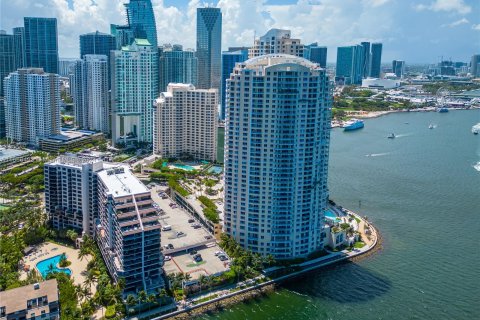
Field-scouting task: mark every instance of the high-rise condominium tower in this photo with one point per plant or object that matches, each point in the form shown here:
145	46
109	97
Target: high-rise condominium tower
475	66
90	93
316	54
398	67
177	66
366	57
276	41
277	135
185	123
128	232
96	43
376	62
32	105
41	44
141	20
349	65
134	88
209	47
229	59
71	195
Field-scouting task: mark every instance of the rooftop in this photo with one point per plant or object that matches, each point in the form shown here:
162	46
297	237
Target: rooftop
16	299
68	135
11	153
276	59
74	160
121	182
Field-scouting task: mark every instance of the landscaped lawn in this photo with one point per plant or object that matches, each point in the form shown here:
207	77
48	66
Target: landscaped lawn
359	244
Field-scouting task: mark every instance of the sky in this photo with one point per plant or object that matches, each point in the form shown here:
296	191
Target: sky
417	31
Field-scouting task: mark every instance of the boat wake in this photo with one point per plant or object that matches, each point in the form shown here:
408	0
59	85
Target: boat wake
477	166
403	135
377	154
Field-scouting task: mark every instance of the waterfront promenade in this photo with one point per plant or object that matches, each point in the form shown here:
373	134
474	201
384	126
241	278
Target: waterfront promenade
235	293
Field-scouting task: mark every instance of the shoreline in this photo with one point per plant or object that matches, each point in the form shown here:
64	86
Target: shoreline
375	114
260	290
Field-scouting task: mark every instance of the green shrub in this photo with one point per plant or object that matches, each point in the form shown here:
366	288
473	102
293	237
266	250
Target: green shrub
110	312
172	183
211	215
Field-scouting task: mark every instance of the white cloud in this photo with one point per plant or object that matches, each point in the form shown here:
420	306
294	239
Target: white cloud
457	6
456	23
375	3
476	27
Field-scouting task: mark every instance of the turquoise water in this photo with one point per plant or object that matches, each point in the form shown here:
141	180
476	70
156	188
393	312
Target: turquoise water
215	169
43	266
183	166
329	214
422	191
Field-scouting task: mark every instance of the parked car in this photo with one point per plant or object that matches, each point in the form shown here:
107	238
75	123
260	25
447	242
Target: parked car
168	258
180	234
217	253
197	259
191	220
170	246
167	228
222	258
208	237
193	251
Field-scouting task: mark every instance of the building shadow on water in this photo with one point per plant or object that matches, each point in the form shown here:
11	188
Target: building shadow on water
346	282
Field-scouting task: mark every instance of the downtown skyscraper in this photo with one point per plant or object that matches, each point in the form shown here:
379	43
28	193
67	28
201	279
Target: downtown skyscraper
32	105
90	93
376	60
41	44
134	88
349	65
176	66
209	47
277	135
140	24
276	41
229	59
96	43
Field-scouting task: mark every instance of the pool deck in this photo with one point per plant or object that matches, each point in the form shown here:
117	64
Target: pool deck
47	250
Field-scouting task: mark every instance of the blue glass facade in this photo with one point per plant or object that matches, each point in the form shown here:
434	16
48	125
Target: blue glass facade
229	59
316	54
7	57
349	65
209	47
177	66
96	43
41	44
365	59
142	20
376	62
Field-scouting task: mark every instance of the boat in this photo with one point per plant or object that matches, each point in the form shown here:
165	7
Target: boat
431	126
391	136
353	124
442	110
476	128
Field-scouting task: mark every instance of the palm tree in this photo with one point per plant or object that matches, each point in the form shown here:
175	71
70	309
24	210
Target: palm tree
269	260
202	280
151	299
131	301
89	279
142	297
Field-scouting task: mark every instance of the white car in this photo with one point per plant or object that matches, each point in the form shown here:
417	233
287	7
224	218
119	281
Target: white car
168	258
217	253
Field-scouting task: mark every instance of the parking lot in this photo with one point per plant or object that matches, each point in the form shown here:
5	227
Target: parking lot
210	264
177	232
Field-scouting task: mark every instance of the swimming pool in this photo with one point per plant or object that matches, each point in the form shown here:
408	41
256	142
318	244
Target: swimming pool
215	169
330	215
183	166
43	266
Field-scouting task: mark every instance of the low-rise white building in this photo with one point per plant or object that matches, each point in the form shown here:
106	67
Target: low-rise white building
380	83
185	123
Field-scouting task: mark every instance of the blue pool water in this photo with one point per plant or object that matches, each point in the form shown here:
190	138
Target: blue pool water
215	169
43	265
184	167
330	215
